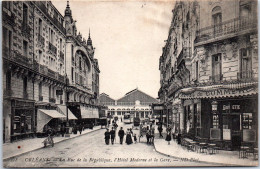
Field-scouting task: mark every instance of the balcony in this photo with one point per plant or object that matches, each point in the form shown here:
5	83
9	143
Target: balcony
40	5
227	29
185	53
9	18
216	78
41	40
40	98
52	49
62	56
16	57
26	30
245	75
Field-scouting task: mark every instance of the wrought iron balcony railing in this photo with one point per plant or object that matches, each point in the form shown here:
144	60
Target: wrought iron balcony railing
230	27
52	49
245	75
16	57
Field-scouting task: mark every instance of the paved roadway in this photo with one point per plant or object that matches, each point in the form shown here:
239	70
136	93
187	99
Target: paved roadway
90	150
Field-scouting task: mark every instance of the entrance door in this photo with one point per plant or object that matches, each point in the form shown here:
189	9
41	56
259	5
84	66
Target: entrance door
235	132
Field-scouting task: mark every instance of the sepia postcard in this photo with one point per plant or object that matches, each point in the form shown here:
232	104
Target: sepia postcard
129	83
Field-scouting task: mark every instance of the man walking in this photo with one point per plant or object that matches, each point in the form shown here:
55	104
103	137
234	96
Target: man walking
121	134
112	134
107	136
160	129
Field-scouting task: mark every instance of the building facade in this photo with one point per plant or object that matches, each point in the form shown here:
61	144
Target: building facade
213	87
134	102
35	69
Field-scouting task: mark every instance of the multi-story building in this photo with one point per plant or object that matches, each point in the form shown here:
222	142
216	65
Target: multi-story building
218	78
82	71
135	102
39	55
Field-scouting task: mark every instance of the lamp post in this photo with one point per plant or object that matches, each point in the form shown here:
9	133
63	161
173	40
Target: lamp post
66	104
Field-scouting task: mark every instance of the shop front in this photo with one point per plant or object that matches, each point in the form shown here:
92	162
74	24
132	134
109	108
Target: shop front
224	114
22	119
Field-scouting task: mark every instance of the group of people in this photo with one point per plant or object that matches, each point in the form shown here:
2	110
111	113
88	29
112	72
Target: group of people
150	134
110	135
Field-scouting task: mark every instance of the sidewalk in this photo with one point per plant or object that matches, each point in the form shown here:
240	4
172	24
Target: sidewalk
222	157
24	146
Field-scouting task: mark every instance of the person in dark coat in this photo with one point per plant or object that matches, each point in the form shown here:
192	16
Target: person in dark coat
168	137
121	134
107	136
62	130
160	129
112	135
80	128
128	137
148	135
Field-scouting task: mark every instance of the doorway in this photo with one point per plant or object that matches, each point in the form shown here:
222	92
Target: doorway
236	137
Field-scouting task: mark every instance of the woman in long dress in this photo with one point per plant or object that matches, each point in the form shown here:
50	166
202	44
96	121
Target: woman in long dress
128	137
168	137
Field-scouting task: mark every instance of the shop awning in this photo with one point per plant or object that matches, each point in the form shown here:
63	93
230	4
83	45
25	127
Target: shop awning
89	112
219	91
62	109
44	116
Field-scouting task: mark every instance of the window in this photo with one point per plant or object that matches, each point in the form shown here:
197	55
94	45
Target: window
215	121
7	38
60	44
49	91
60	68
40	55
72	53
197	70
80	64
72	74
245	9
40	27
8	80
216	67
245	63
217	19
247	120
25	14
25	87
40	91
25	48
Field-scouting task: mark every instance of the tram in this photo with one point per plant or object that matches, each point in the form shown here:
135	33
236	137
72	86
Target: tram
127	118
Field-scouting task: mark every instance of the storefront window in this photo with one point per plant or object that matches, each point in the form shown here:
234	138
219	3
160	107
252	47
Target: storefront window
22	121
247	120
215	121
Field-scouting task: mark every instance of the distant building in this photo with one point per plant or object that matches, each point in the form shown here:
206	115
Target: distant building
134	102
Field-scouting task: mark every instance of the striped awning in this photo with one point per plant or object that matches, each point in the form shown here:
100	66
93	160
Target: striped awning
219	91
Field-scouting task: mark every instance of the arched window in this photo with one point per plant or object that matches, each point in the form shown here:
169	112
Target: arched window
216	15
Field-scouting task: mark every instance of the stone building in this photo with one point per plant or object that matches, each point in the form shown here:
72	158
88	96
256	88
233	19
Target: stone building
38	58
82	71
216	90
135	102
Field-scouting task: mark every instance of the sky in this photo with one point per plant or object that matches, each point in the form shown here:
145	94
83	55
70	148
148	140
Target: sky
128	37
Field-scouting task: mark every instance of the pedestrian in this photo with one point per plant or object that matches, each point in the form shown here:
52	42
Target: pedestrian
160	129
80	129
135	139
131	132
121	119
152	135
121	134
62	130
128	137
168	137
112	135
169	129
107	136
151	125
148	135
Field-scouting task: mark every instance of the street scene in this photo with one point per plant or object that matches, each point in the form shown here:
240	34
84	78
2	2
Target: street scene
130	83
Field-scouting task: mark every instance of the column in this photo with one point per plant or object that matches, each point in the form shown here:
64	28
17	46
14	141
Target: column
182	123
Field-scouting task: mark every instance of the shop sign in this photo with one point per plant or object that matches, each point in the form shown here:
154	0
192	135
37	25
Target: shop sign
158	108
226	134
233	107
218	93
